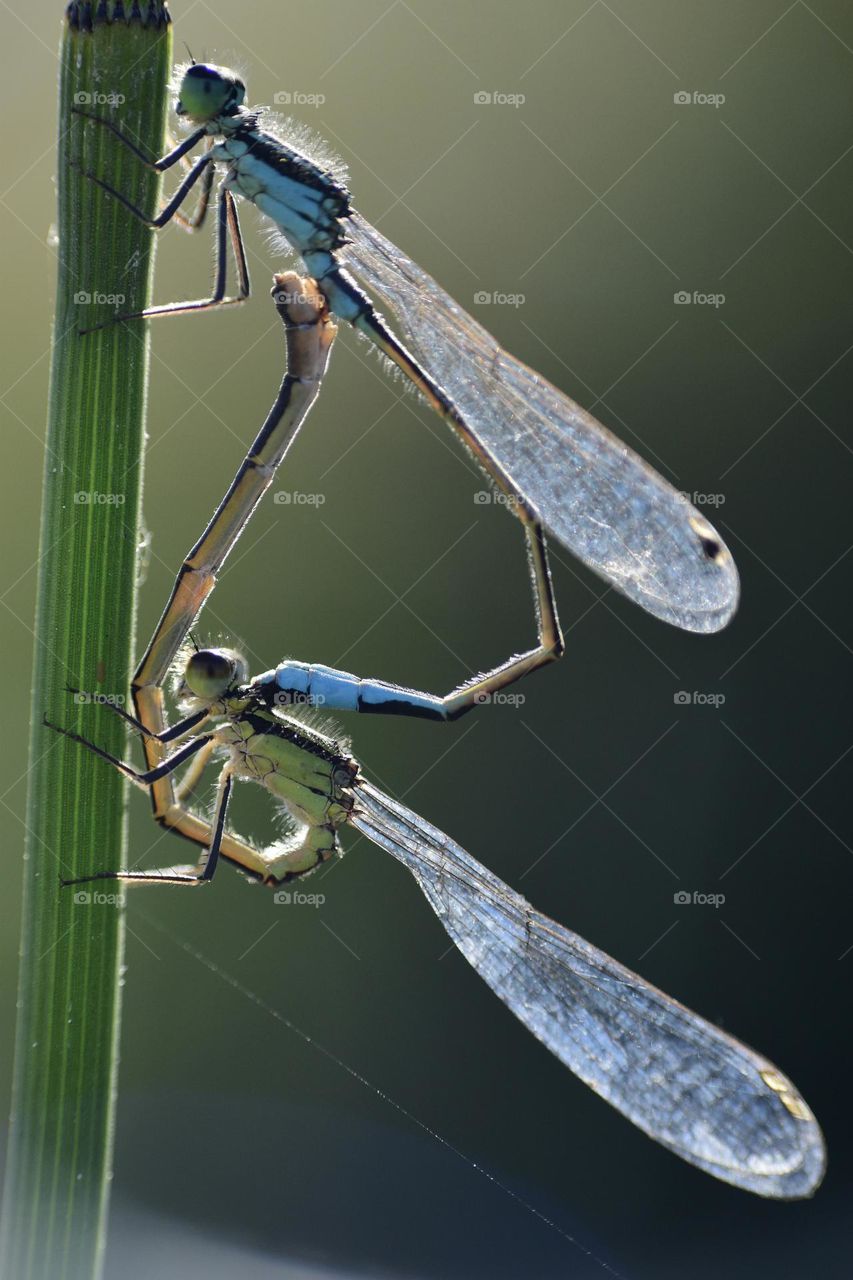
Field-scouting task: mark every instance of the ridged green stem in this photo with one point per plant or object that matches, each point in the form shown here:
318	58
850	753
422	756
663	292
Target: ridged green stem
115	60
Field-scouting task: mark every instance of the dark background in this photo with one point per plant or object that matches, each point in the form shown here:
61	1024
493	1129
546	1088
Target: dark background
312	1092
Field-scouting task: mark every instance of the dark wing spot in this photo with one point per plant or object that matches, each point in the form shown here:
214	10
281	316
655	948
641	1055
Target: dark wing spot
708	541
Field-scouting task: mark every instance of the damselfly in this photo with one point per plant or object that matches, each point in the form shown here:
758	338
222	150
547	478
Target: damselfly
687	1084
553	460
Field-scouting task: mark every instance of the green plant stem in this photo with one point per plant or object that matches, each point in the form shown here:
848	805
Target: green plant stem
115	60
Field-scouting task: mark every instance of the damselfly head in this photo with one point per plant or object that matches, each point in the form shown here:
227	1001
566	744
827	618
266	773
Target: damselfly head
206	91
211	673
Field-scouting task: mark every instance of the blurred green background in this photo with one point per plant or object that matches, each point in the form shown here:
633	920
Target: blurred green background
308	1091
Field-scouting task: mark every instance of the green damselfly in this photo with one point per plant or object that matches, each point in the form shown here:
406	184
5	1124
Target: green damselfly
555	463
687	1084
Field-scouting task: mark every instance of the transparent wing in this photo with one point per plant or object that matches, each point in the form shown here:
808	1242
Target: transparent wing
682	1081
595	494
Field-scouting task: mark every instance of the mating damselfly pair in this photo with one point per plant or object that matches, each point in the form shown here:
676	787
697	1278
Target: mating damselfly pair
699	1092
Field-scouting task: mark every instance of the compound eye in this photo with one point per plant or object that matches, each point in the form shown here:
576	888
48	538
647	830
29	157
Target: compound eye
204	92
210	672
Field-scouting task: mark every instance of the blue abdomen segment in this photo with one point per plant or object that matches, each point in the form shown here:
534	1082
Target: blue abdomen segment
298	684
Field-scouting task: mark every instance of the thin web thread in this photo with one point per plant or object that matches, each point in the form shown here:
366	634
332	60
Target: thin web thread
257	1000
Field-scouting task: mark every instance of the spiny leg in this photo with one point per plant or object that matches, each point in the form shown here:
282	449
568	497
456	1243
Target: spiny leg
204	869
160	164
143	778
177	153
211	836
274	865
201	873
312	845
228	220
227	227
172	205
192	776
163	736
200	760
196	220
